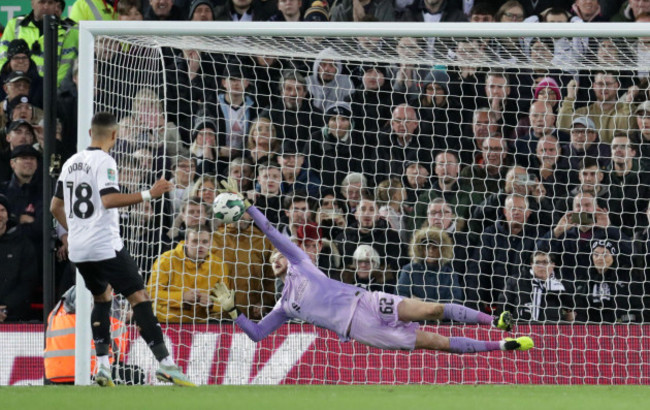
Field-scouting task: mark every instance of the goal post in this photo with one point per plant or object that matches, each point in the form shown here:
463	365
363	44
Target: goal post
132	70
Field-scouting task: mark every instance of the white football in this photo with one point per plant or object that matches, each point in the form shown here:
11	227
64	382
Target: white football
228	207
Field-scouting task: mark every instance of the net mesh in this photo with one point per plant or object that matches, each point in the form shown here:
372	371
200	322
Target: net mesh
528	153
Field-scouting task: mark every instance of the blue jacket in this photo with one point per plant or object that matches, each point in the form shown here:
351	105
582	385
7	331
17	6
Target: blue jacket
429	282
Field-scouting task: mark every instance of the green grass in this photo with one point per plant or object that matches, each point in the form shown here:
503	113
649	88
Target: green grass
481	397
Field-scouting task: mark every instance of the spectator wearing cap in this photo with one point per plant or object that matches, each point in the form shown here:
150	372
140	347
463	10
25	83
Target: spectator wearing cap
327	83
19	59
164	10
404	140
372	101
25	193
608	114
21	108
234	109
17	83
585	142
100	10
355	10
335	148
297	175
29	28
629	185
436	106
610	293
317	11
19	272
204	147
19	132
366	271
292	113
245	10
430	275
201	10
186	93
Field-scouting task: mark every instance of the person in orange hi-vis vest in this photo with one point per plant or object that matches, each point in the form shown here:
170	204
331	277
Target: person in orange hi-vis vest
58	357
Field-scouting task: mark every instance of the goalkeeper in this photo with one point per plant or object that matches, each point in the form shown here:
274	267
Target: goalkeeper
375	319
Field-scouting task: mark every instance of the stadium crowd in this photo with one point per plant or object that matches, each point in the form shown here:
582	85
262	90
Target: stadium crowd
520	189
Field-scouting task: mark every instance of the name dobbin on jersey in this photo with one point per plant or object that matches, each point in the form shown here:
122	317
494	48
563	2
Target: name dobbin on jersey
79	166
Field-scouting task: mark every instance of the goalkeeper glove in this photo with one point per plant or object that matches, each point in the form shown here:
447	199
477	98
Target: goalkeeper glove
225	297
231	186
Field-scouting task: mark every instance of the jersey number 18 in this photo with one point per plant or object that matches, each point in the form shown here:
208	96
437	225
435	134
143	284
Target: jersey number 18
81	206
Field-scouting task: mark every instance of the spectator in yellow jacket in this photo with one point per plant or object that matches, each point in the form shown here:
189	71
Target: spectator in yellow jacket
181	280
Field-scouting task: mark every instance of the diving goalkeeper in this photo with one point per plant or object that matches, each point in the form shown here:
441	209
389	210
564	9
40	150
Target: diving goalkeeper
375	319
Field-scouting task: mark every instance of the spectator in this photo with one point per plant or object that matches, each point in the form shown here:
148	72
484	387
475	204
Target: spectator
296	173
366	271
319	11
482	12
247	253
234	110
403	141
538	295
588	11
433	11
29	28
416	181
509	50
184	174
629	185
181	280
502	105
263	143
66	112
407	75
504	246
484	124
391	197
591	180
643	123
288	10
369	229
85	10
445	185
572	235
19	58
542	123
193	213
244	10
129	10
323	255
21	108
25	194
355	10
293	113
609	293
430	275
297	213
267	193
607	113
164	10
143	231
242	172
19	272
550	168
371	102
206	188
204	148
17	83
201	10
353	187
630	10
330	217
334	149
585	143
327	84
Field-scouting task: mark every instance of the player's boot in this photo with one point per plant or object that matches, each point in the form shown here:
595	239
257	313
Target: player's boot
521	343
103	377
504	321
173	374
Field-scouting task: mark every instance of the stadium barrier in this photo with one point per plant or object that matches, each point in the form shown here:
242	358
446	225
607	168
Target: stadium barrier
303	354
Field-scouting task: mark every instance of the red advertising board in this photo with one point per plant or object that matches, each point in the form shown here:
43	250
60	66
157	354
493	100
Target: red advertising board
304	354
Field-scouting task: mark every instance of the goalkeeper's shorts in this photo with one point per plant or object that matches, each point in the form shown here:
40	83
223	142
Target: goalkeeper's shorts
375	323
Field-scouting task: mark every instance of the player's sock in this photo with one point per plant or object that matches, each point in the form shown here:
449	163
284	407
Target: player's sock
167	361
463	314
467	345
150	329
103	361
100	321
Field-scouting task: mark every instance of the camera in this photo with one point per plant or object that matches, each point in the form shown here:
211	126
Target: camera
582	218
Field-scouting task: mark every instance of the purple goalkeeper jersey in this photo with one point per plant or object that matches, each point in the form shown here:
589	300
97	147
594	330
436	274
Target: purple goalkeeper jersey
308	294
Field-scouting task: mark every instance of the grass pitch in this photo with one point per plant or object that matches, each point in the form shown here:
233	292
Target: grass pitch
483	397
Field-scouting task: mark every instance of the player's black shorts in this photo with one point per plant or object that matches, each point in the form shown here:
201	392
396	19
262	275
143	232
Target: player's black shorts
121	272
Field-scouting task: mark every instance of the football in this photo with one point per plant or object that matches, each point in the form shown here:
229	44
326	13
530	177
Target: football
228	207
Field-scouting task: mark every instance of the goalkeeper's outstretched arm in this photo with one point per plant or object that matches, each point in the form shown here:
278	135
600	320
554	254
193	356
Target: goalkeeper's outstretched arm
268	325
289	249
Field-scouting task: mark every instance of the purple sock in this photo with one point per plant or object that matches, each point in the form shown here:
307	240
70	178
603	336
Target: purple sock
467	345
460	313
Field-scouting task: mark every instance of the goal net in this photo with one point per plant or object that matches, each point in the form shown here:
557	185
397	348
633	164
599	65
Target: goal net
491	166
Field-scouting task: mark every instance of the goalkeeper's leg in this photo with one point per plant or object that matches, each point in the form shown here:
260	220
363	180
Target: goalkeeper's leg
460	345
411	310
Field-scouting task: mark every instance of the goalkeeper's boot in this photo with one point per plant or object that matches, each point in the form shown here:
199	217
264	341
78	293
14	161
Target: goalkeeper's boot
521	343
504	321
103	377
173	374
